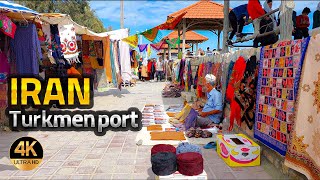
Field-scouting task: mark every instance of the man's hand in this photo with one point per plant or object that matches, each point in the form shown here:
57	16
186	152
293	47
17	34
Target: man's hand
203	114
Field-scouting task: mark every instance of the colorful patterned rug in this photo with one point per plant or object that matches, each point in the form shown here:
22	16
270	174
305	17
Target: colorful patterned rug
303	153
279	76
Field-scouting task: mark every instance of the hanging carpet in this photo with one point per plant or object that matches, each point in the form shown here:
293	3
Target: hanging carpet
279	75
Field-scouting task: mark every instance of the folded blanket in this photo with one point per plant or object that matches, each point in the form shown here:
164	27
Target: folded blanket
168	135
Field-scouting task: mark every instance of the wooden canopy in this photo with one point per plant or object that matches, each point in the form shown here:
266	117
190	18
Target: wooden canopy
191	37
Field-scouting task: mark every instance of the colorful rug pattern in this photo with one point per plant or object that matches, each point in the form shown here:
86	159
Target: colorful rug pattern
303	153
279	76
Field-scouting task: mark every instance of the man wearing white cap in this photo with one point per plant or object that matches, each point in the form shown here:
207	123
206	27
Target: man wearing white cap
211	113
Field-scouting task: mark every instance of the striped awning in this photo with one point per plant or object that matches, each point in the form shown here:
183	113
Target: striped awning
6	6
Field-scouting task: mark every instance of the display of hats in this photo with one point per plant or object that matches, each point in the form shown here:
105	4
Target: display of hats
185	147
163	148
190	163
164	163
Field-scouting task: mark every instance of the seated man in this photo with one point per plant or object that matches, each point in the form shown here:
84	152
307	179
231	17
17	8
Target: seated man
211	113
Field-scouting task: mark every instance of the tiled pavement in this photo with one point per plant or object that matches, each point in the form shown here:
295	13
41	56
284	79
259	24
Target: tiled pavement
82	155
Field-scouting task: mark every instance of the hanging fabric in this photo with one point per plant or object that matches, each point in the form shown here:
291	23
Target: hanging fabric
69	43
113	67
149	50
131	40
158	46
170	24
8	27
142	47
4	68
55	43
152	35
173	42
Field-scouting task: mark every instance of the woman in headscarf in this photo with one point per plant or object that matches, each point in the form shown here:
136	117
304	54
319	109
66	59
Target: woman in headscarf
267	6
316	17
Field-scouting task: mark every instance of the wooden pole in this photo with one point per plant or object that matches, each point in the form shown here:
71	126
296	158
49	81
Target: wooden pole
169	52
179	35
184	29
286	24
219	33
197	49
225	25
121	14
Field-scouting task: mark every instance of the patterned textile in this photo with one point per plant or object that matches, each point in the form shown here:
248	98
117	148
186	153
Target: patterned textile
279	75
234	84
149	50
3	96
152	35
8	27
245	96
92	50
131	40
4	68
157	47
85	48
190	80
170	24
87	69
303	154
98	46
55	45
142	47
229	72
200	81
173	42
68	42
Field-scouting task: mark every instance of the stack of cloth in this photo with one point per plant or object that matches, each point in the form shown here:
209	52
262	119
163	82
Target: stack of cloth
180	117
172	90
153	114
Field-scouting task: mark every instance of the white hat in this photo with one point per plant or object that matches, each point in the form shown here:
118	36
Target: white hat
210	78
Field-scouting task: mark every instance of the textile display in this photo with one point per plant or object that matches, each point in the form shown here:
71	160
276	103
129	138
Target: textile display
190	163
8	27
164	163
85	48
27	50
185	147
173	42
279	76
87	69
200	81
55	45
149	50
234	84
131	40
3	96
142	47
113	67
155	127
153	35
170	24
102	80
245	96
158	46
69	43
98	46
40	32
168	135
4	68
47	42
303	154
163	148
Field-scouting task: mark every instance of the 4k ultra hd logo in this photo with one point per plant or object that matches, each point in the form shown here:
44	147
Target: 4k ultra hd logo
26	153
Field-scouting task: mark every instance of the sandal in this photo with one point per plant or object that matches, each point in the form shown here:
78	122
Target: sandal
210	145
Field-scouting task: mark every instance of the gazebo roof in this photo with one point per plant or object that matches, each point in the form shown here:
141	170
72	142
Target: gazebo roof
165	46
202	15
191	37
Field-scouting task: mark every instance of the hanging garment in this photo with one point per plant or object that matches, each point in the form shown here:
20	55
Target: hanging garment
69	42
245	96
200	81
278	82
8	27
303	143
47	35
87	69
85	48
27	50
234	84
190	80
4	68
41	35
55	43
113	68
181	72
3	96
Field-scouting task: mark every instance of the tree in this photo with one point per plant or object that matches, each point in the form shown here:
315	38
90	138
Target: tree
79	10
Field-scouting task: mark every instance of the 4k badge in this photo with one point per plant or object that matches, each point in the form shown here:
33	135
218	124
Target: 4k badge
26	153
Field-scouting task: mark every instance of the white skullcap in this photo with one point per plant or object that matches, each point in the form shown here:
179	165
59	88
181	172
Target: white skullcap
210	78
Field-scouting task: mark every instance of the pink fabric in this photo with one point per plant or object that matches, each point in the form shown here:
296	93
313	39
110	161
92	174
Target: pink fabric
4	68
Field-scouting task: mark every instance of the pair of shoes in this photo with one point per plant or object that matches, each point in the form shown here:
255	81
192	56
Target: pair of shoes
210	145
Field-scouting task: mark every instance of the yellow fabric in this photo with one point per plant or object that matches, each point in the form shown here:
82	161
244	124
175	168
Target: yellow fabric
167	135
131	40
181	116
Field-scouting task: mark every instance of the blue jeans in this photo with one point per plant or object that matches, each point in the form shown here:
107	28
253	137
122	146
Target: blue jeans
159	75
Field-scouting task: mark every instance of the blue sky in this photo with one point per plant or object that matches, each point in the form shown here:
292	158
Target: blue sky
143	15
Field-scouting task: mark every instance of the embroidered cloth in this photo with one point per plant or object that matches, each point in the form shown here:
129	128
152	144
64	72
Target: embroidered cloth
303	154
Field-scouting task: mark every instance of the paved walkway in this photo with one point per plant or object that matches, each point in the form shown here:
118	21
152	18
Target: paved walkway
82	155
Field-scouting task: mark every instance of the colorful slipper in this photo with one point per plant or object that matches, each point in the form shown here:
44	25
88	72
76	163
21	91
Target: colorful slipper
210	145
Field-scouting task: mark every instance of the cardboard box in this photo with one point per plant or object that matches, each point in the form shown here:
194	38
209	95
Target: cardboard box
177	175
237	150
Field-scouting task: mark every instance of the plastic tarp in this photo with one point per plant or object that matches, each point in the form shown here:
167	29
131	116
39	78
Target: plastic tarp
16	11
64	19
125	63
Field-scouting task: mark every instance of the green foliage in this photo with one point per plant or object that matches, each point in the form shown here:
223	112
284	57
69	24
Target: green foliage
79	10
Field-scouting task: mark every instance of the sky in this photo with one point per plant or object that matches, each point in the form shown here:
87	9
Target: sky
142	15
